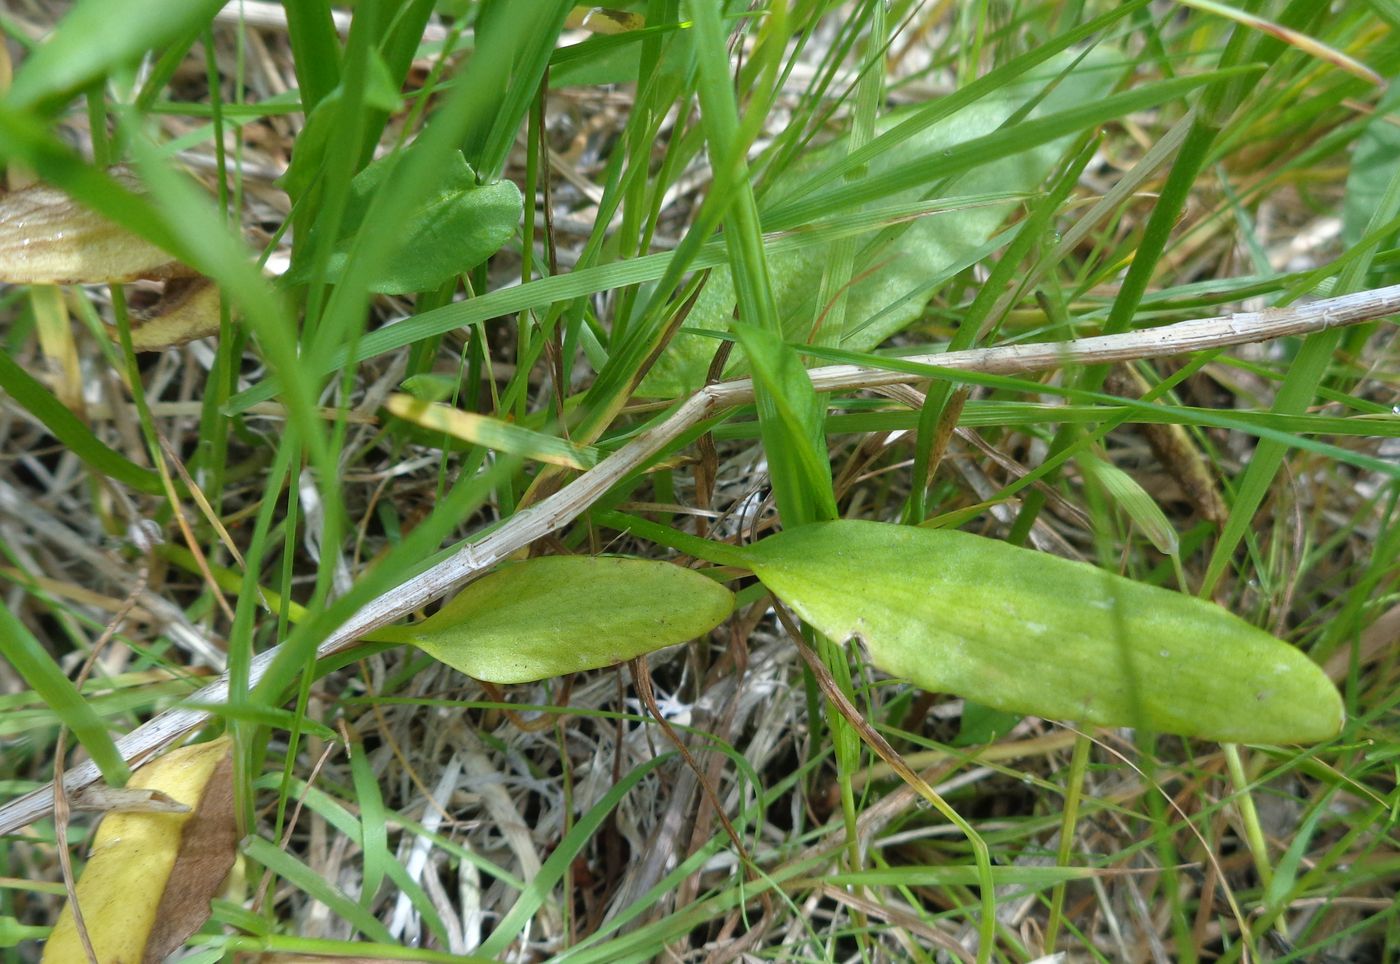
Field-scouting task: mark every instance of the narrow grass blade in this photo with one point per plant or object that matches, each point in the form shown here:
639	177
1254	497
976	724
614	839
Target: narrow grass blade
38	669
68	429
315	886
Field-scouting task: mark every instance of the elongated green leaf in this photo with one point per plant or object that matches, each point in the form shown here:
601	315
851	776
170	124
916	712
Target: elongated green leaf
25	654
316	886
552	870
1032	878
1133	499
563	614
315	50
794	436
30	393
1031	633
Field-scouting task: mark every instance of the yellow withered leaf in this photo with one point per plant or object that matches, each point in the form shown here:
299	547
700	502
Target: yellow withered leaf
603	20
48	238
150	876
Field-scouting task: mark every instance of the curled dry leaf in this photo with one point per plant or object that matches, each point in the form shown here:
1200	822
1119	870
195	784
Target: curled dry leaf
189	309
150	877
47	238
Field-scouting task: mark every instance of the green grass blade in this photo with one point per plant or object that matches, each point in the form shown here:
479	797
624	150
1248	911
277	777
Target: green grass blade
374	838
31	395
315	886
98	36
38	669
315	50
553	869
1003	143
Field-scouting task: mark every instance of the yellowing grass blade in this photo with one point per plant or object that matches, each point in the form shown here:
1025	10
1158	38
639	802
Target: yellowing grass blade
492	433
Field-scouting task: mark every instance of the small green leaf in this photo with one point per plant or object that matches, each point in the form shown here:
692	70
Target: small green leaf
460	225
982	724
1133	499
309	157
431	386
1026	632
564	614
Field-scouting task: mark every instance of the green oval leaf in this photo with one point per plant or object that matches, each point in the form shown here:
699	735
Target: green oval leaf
458	226
1032	633
563	614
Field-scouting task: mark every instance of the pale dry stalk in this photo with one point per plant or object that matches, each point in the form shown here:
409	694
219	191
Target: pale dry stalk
568	503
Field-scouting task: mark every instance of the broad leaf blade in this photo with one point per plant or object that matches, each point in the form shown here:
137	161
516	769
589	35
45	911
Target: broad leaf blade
460	225
564	614
892	273
1373	164
1031	633
151	876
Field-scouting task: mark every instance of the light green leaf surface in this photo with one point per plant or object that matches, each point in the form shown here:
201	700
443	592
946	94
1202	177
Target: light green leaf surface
564	614
1137	502
308	162
459	225
1032	633
1373	164
892	275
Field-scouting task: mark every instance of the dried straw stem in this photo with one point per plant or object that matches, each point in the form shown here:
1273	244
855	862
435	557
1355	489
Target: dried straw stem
561	508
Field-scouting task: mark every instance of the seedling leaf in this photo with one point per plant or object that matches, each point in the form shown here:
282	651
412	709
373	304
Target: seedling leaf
1032	633
460	225
564	614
